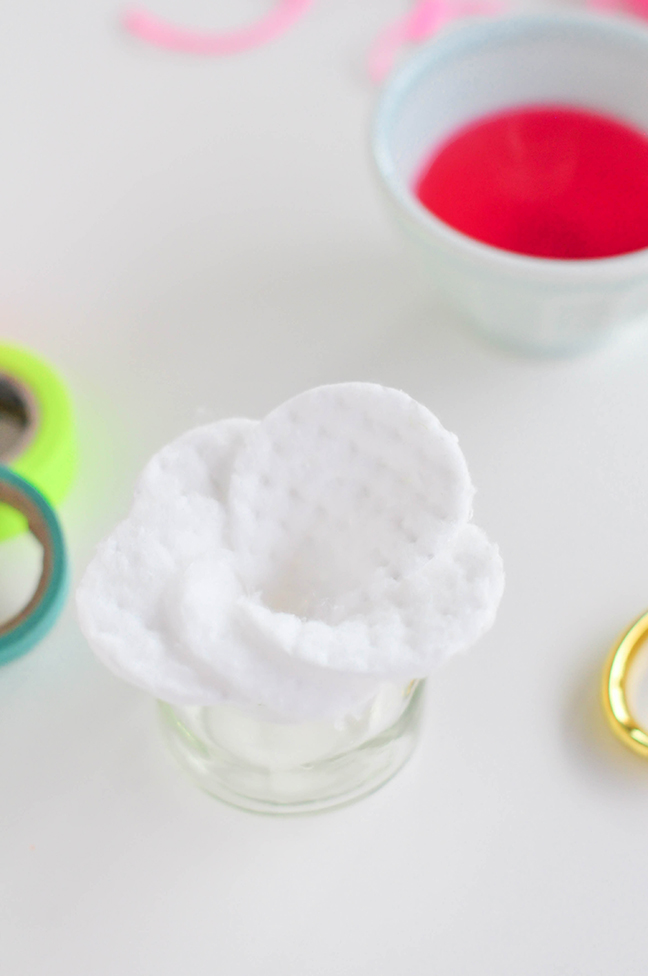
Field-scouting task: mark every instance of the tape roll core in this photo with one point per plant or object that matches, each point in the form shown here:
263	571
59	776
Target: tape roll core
29	625
18	418
37	431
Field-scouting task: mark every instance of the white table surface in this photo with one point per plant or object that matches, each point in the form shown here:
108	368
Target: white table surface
190	239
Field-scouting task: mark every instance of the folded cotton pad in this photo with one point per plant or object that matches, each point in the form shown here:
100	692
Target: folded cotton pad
295	563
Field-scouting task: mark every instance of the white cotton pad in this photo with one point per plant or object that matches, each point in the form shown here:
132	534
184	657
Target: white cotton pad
341	490
415	626
293	565
131	584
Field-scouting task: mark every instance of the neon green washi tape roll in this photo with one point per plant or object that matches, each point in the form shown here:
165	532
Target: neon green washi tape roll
37	431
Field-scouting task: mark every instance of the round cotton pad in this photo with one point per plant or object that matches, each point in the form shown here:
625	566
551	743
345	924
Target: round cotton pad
340	490
294	564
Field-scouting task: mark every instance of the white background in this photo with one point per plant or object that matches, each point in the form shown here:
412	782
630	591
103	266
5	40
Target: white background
194	238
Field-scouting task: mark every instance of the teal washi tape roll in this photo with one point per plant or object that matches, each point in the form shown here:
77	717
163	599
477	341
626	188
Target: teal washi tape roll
30	625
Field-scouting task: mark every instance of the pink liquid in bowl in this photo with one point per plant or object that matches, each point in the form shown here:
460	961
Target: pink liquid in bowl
549	181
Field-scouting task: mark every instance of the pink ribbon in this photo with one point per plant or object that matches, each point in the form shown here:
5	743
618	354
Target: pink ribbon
159	32
427	17
420	23
424	20
637	7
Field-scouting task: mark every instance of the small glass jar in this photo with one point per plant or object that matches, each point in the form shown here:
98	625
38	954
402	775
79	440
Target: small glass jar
272	767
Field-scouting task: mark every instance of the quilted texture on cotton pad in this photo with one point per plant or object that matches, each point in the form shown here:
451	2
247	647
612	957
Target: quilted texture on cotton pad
163	607
417	624
220	587
340	491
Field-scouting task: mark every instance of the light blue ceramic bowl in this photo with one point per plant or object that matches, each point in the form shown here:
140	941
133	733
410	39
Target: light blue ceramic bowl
474	69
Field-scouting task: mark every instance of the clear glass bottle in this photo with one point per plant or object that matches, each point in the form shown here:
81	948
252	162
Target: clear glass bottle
271	767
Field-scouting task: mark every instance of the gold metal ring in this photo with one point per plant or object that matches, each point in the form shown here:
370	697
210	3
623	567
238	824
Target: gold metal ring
614	679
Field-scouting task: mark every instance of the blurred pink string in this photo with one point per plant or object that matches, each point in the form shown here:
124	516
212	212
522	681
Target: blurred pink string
427	17
637	7
159	32
420	23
